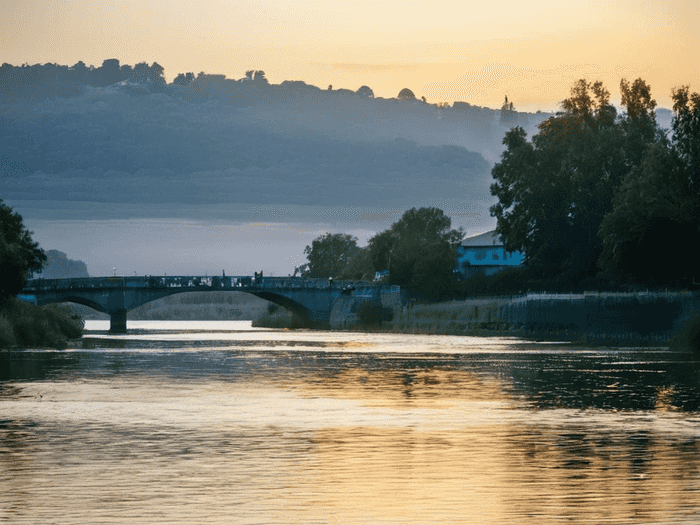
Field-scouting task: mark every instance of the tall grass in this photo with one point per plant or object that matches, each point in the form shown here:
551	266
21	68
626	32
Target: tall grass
688	337
27	325
471	316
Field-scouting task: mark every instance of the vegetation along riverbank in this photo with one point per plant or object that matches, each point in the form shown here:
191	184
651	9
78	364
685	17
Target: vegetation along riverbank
23	324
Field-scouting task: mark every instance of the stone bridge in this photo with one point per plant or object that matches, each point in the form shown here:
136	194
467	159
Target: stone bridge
311	300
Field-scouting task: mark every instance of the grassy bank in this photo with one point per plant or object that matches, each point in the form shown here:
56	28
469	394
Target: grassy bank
688	338
488	317
465	317
26	325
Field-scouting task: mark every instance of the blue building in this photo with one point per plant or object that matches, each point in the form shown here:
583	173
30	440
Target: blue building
485	254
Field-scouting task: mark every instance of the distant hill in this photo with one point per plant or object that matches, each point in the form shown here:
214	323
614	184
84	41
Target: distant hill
120	134
59	266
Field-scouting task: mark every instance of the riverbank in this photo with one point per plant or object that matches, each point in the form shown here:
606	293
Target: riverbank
26	325
640	319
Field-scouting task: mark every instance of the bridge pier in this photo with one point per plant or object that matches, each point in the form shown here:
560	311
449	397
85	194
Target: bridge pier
117	321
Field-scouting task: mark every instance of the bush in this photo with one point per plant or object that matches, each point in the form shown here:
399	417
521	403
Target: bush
7	334
688	338
43	326
371	313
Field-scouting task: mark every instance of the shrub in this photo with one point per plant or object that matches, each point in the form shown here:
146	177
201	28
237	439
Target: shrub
28	325
371	313
7	334
688	337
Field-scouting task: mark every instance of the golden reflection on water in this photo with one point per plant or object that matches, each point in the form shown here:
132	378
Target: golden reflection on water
406	390
284	441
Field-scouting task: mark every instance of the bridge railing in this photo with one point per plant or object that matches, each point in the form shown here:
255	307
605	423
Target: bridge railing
194	282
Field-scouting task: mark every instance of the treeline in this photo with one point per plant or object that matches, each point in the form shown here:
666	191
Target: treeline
604	198
127	136
43	81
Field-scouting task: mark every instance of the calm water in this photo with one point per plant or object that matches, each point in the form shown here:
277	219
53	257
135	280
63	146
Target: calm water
220	423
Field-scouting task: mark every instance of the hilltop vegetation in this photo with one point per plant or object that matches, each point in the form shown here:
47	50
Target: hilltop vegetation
122	134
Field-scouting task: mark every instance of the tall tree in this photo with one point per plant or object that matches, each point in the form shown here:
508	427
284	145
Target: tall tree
554	191
330	255
19	254
419	250
657	207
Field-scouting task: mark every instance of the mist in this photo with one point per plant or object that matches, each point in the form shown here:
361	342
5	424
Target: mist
96	159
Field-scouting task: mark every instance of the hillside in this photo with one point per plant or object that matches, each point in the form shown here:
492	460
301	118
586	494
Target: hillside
97	139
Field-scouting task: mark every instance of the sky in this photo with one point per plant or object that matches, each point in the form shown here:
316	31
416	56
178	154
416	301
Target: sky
444	50
531	52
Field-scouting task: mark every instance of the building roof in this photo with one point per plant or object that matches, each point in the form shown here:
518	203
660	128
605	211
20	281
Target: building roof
490	238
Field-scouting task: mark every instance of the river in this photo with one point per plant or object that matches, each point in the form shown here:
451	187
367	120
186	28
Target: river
218	422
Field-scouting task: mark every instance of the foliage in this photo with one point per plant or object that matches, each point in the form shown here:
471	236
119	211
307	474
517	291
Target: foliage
596	189
37	326
419	250
59	266
555	190
19	254
508	113
330	255
373	313
406	94
657	206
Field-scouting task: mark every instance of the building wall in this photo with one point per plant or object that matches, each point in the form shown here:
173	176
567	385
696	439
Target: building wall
488	256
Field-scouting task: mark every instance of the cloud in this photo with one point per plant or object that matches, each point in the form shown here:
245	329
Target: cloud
376	217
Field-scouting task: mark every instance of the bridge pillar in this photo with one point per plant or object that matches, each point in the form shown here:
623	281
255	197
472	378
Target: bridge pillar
117	321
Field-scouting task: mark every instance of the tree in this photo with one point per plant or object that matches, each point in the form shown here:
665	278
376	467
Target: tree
406	94
182	79
19	255
657	207
330	255
253	75
555	190
419	250
365	91
508	114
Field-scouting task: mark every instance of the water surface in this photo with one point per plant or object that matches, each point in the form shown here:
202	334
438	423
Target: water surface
200	422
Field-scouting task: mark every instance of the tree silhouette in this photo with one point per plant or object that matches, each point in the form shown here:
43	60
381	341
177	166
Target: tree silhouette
19	254
406	94
365	91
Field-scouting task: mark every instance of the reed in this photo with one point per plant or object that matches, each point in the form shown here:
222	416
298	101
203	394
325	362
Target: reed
278	319
466	317
27	325
688	337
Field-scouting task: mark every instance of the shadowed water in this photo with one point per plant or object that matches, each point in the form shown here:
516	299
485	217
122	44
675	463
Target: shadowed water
220	423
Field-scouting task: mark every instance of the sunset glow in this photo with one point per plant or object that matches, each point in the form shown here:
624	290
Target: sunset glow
443	50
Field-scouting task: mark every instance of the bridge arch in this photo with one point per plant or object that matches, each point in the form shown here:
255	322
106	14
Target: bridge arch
85	301
307	299
297	309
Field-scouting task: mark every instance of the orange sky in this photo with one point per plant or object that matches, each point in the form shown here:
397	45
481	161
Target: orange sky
443	50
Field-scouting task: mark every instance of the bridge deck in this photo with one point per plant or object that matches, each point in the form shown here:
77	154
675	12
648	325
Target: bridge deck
197	283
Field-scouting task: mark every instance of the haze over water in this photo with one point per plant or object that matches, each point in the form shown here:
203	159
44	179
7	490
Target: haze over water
216	422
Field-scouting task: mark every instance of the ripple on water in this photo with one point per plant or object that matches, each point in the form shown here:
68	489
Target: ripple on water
283	427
